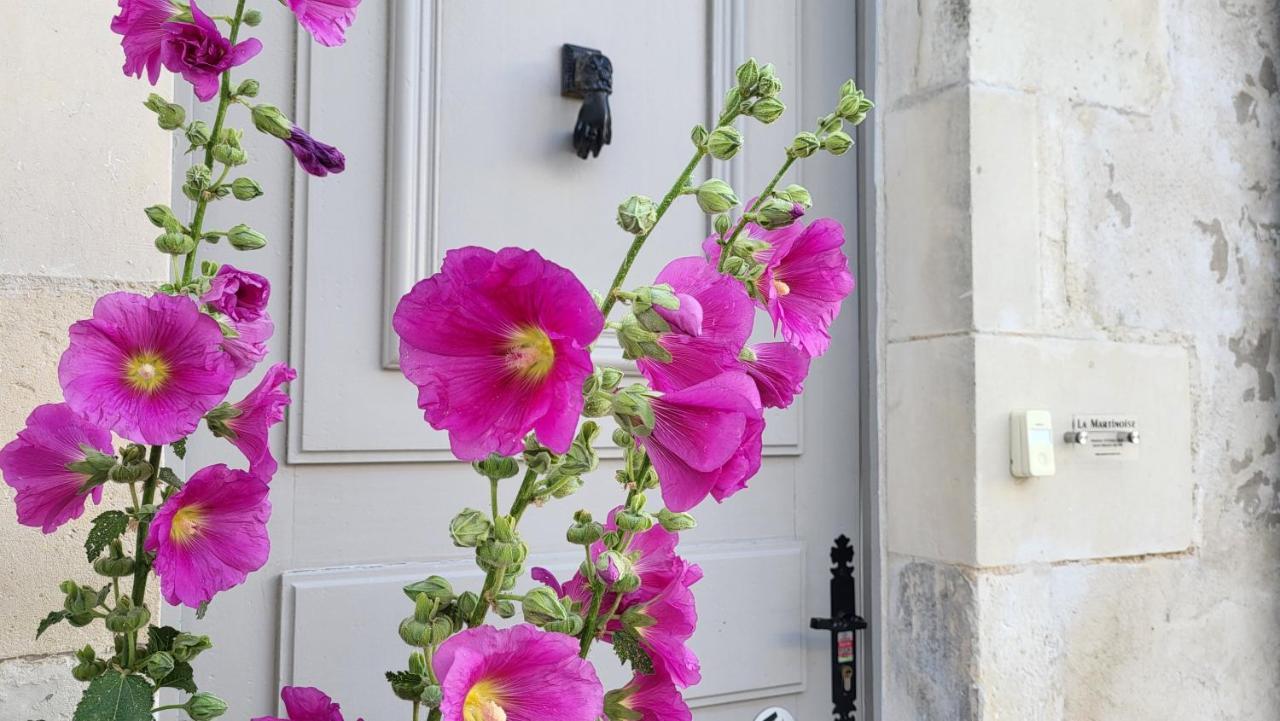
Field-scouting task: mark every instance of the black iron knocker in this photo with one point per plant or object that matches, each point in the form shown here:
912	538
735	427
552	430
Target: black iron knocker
587	74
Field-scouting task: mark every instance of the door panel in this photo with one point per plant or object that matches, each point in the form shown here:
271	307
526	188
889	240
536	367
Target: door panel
455	132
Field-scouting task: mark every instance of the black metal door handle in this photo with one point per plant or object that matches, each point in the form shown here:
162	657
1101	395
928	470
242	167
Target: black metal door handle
843	625
587	74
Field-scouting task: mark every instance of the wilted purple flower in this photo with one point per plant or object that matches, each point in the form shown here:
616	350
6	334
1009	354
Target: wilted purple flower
142	23
326	20
315	157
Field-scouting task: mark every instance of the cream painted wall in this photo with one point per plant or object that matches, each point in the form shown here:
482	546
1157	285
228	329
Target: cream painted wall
79	159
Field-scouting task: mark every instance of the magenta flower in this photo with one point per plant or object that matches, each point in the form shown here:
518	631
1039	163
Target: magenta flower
725	318
304	703
806	279
663	624
257	413
779	370
35	464
209	536
687	318
147	368
496	343
648	697
313	156
247	349
142	23
516	674
706	439
201	54
326	20
238	294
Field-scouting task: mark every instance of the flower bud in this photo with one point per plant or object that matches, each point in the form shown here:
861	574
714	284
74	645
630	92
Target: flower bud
699	136
248	88
638	341
246	189
155	103
432	696
770	85
748	75
441	630
199	133
724	142
171	116
637	214
716	196
435	588
797	194
497	467
598	404
252	18
199	178
676	522
268	119
243	237
637	522
622	439
505	609
174	243
541	606
114	566
415	632
228	154
126	617
776	213
767	110
187	646
722	223
161	216
159	665
732	102
86	671
632	410
804	145
584	530
572	625
204	706
418	663
469	528
837	143
849	106
610	378
467	603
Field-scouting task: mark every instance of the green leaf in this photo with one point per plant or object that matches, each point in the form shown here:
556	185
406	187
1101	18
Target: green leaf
169	477
181	678
179	448
51	619
107	527
116	697
160	638
627	646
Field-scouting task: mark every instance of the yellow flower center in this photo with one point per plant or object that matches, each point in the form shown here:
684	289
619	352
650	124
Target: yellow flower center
186	523
146	371
781	287
530	353
482	703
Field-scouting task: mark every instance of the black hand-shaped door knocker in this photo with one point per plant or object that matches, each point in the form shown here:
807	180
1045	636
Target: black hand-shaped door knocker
587	74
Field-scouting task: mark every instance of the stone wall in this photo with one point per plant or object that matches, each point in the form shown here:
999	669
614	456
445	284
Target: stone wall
1081	211
80	159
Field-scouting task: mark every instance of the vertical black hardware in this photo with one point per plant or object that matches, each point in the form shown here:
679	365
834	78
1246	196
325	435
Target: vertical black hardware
844	625
587	74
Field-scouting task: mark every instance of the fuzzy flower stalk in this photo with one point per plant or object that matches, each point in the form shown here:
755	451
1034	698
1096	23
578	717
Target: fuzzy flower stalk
140	374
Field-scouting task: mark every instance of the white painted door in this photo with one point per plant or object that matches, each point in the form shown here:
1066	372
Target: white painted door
455	133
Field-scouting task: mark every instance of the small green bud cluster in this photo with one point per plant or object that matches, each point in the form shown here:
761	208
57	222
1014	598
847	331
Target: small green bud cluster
637	214
543	608
597	392
127	618
88	665
170	116
757	92
645	299
633	410
80	602
852	107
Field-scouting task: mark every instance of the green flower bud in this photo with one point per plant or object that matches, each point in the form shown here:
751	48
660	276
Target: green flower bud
159	665
497	467
637	214
161	216
243	237
228	154
622	439
572	625
252	18
848	87
632	410
797	194
775	213
849	107
199	179
724	142
676	522
246	189
441	630
748	75
565	486
722	223
248	88
467	603
699	136
610	378
114	566
432	696
126	617
268	119
172	243
716	196
804	145
418	663
171	117
584	530
541	606
769	86
86	672
598	404
767	110
633	521
415	632
133	453
732	102
155	103
469	528
204	706
187	646
198	133
837	143
640	342
505	609
435	588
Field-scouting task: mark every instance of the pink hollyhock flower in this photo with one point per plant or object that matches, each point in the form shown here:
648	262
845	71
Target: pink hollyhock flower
255	415
35	465
648	697
147	368
687	318
516	674
238	294
663	625
305	703
201	54
726	318
209	536
779	370
326	20
316	158
249	347
497	344
142	23
706	439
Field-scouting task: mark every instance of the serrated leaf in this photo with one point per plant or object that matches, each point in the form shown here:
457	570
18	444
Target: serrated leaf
627	646
160	638
107	527
180	678
167	476
114	696
53	618
179	448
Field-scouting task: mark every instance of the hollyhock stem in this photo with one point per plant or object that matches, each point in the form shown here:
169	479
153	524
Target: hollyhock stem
742	222
224	102
522	496
140	566
593	616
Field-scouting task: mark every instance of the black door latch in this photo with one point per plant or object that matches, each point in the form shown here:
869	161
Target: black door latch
844	625
587	74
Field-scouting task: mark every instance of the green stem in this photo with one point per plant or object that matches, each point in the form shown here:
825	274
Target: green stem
593	616
224	102
158	709
493	498
523	495
141	568
727	250
416	706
